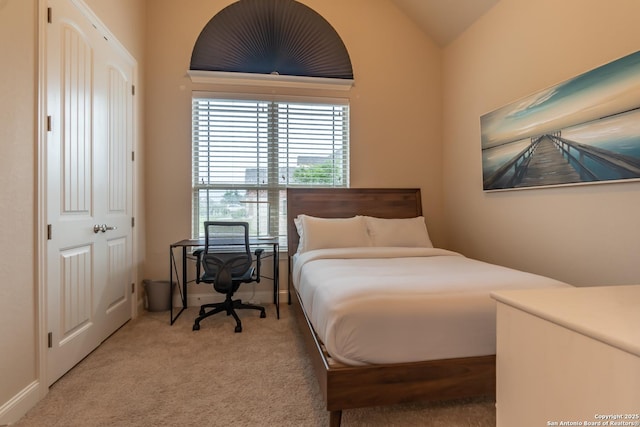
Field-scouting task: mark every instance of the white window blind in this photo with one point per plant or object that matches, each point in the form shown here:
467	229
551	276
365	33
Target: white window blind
247	152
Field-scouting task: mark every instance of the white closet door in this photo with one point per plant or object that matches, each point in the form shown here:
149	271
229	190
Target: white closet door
89	187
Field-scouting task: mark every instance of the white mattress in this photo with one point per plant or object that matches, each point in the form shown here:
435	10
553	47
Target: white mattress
380	305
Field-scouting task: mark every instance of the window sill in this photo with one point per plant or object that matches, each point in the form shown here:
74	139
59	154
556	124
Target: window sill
269	80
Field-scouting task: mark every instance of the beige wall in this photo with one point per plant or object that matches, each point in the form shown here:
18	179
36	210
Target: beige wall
18	357
126	19
395	109
19	333
585	235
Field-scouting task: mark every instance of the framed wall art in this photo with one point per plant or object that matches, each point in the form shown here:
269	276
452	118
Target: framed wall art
584	130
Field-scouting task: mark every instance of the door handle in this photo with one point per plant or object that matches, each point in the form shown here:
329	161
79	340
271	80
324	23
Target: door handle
103	228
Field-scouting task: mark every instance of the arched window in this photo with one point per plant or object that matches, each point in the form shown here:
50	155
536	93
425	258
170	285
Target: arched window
247	149
282	37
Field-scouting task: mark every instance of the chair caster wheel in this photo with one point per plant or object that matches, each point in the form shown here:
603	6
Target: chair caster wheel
196	327
263	314
238	328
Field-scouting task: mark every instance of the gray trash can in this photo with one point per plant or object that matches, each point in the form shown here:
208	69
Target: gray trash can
158	295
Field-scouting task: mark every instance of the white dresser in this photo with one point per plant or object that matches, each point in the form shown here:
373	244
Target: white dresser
568	356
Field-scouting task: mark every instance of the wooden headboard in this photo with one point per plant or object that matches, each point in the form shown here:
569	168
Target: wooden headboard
347	202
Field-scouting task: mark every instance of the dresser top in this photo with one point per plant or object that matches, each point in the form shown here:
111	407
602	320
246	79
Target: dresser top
610	314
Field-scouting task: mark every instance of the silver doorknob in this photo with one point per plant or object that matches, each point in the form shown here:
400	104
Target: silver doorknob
103	228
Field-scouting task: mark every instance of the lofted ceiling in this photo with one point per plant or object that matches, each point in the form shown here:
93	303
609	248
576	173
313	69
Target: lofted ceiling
444	20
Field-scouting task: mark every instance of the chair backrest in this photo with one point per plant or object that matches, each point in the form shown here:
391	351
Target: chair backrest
226	236
225	240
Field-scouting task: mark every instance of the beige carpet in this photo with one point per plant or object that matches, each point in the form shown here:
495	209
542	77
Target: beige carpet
152	374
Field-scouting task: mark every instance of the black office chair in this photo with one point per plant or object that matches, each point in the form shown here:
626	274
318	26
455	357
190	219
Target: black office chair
227	263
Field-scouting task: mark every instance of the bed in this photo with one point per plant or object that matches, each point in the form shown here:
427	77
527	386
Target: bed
387	318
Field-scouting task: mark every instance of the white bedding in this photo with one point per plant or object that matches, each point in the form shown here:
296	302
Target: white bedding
378	305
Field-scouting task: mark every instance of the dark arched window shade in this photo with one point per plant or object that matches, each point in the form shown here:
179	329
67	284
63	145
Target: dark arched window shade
281	37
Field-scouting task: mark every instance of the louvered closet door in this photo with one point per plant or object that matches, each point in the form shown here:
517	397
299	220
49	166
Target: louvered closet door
89	182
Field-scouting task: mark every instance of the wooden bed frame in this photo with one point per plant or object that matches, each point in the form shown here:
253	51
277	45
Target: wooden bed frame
347	387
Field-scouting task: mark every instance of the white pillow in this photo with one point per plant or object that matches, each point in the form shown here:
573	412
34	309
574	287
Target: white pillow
323	233
399	232
297	221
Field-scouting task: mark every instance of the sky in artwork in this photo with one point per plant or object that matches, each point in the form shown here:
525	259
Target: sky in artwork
604	91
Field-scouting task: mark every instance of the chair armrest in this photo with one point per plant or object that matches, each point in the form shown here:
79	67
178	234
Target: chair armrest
198	253
258	254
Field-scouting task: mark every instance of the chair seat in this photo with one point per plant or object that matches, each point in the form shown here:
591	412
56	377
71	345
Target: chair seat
244	278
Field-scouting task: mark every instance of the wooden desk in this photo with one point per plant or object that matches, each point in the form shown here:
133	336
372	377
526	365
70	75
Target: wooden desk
181	282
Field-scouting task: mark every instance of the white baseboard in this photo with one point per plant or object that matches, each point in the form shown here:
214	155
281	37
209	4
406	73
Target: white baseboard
18	405
139	307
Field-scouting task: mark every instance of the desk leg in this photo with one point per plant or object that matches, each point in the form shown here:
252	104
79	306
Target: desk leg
276	278
184	277
183	293
171	319
289	280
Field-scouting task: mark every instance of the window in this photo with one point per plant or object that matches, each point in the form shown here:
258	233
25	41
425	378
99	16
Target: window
246	152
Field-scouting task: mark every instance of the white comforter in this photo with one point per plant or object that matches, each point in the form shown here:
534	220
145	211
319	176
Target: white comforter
379	305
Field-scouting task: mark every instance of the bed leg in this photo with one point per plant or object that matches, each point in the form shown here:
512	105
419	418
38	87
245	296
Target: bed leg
335	417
